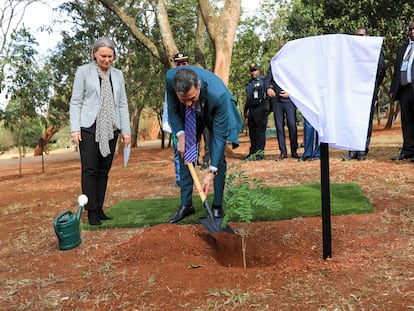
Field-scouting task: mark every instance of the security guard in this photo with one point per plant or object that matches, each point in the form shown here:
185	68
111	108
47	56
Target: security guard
255	114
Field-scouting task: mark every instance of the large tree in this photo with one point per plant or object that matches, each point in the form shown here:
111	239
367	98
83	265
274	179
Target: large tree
220	27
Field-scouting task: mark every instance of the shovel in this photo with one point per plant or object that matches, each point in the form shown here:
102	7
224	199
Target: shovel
213	224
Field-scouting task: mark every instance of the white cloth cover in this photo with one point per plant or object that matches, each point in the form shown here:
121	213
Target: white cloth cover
331	80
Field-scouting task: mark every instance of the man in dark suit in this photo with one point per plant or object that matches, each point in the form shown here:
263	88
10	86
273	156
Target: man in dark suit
402	89
362	154
216	108
282	107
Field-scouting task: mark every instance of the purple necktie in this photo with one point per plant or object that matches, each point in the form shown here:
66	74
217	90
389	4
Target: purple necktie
190	150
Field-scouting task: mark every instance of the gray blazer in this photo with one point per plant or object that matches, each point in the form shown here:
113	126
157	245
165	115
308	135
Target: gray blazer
85	100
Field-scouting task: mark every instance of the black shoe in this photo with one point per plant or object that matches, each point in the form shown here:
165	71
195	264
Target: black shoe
352	155
400	157
303	159
177	184
259	158
102	215
361	156
295	155
182	212
313	159
217	211
93	218
281	157
204	165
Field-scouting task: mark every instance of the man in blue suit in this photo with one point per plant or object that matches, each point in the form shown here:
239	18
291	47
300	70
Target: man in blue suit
216	108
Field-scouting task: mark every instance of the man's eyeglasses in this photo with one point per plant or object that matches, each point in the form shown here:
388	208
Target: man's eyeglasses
253	69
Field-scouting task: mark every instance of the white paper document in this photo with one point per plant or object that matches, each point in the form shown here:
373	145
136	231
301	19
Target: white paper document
127	152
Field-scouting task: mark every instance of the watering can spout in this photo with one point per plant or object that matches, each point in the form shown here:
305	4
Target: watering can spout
82	200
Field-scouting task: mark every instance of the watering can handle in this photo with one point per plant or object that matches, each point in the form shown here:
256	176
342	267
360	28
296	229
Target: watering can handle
58	218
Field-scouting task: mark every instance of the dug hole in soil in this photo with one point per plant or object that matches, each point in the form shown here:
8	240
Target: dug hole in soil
176	267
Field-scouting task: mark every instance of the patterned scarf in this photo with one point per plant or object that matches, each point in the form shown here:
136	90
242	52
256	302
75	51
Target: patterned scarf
105	122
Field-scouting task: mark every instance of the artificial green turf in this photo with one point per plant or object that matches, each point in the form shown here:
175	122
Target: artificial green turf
296	201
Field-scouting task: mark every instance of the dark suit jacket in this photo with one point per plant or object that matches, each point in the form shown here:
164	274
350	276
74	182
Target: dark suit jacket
395	83
269	83
219	111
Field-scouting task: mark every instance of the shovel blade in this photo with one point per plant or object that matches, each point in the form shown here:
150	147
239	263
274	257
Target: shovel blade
215	225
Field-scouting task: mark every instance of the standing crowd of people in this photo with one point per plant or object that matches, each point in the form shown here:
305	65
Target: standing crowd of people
197	103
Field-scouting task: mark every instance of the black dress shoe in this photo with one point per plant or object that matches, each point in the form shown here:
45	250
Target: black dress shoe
182	212
102	215
93	218
361	156
352	155
281	157
295	155
400	157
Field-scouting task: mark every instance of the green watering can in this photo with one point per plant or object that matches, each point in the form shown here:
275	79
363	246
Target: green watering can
67	226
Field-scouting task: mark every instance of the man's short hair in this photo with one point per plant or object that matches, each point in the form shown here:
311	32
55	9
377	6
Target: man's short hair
184	79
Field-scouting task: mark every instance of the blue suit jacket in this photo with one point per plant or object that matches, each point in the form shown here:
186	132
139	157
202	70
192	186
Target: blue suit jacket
219	111
85	100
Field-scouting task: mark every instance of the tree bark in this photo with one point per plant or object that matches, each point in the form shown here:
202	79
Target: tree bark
47	136
222	31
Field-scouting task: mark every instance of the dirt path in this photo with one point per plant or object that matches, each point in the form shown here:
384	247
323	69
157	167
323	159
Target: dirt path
172	267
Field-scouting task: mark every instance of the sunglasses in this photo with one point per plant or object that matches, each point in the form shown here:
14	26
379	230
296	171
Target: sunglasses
181	64
253	69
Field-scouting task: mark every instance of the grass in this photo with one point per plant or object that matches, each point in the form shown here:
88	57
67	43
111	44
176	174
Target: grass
296	201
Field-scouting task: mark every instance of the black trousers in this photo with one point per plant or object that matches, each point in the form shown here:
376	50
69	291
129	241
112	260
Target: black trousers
280	110
95	167
407	119
257	123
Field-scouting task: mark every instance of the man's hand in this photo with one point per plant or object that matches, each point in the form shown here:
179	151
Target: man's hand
207	182
284	94
271	92
181	144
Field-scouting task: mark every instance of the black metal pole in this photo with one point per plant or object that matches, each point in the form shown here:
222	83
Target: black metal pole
326	201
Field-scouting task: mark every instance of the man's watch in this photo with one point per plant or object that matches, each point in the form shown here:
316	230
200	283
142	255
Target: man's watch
212	172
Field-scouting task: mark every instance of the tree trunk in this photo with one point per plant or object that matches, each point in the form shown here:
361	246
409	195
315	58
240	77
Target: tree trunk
393	111
222	31
47	136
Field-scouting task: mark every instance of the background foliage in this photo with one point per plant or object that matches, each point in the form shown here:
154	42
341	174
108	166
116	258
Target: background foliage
259	37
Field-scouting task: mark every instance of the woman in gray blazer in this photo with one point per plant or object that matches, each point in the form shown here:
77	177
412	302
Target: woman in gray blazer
98	113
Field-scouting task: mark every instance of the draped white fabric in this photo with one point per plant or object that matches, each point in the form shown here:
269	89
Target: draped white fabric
331	80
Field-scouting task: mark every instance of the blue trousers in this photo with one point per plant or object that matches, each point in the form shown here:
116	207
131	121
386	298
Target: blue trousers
311	141
187	184
280	110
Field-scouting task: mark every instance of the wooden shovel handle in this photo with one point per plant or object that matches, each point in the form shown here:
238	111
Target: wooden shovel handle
196	181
